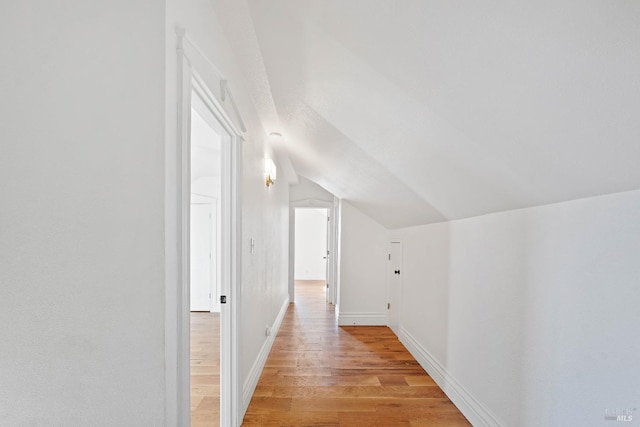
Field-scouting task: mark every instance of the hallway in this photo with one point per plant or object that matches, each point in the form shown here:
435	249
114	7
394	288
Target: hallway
319	374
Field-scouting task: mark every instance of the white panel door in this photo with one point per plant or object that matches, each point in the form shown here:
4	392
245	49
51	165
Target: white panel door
311	244
394	291
201	249
215	258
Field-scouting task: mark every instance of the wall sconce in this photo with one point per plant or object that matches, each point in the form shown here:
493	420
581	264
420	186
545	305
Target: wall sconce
269	172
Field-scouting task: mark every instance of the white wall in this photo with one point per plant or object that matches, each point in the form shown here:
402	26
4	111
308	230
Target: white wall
88	100
309	190
81	213
265	218
363	262
533	313
311	244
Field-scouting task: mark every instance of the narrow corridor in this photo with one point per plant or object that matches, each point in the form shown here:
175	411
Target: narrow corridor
319	374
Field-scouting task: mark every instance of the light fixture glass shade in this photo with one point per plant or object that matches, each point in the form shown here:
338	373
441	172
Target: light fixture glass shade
270	173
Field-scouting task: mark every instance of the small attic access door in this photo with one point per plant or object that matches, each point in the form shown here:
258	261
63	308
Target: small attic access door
394	285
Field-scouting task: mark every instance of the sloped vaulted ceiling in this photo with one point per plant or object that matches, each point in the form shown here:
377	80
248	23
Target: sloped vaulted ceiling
420	111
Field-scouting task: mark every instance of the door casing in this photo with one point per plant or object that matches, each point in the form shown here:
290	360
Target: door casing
332	246
194	76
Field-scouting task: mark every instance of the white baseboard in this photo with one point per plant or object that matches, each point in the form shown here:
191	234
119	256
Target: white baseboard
476	412
362	319
251	382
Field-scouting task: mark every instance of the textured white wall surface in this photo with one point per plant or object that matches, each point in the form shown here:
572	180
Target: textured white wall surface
88	98
308	190
533	311
363	256
82	213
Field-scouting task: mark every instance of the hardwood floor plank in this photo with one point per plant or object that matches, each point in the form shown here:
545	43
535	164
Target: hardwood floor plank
287	419
368	419
205	369
418	380
339	404
319	374
266	403
318	381
304	371
358	391
392	380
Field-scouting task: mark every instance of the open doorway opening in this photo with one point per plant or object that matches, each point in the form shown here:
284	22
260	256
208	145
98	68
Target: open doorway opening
205	259
199	86
311	244
312	250
314	236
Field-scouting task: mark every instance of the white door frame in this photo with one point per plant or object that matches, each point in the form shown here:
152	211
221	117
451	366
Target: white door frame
178	351
332	247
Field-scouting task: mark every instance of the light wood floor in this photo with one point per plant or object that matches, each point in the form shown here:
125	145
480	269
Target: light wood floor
205	369
319	374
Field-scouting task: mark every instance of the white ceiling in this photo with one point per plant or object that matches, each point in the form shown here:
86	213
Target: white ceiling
419	111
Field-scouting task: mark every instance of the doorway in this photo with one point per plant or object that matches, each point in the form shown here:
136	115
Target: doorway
204	255
314	246
311	250
311	243
199	89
